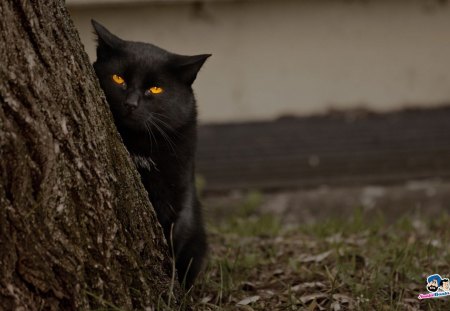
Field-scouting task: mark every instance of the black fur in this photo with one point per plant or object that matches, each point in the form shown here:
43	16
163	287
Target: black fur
160	132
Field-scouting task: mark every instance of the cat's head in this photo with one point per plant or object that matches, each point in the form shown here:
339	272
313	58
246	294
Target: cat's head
145	85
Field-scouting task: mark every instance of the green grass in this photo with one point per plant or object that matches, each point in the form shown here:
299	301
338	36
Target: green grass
353	264
336	264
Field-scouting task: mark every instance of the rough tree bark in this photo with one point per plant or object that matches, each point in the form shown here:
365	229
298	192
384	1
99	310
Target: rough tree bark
76	228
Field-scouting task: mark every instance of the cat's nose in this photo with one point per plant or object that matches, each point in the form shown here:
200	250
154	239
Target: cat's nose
132	101
131	104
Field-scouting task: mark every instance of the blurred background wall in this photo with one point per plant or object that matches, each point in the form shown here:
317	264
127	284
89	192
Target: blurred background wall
279	57
287	100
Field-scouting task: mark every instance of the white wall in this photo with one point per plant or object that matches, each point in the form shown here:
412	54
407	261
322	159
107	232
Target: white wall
276	57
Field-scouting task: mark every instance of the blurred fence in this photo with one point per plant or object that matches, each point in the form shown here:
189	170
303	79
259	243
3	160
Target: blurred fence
353	148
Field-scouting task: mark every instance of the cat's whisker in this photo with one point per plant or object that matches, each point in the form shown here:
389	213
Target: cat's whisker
165	136
161	115
149	124
151	135
164	124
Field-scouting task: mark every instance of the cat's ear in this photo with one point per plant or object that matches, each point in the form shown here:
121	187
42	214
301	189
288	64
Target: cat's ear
187	67
106	40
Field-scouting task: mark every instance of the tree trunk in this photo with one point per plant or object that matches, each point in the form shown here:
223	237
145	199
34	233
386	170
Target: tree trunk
76	228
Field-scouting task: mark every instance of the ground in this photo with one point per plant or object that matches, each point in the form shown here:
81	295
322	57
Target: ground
365	260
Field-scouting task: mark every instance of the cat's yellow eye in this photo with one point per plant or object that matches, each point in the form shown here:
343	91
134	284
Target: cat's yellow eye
118	79
156	90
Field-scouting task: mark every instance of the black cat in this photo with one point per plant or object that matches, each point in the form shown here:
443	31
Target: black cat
150	95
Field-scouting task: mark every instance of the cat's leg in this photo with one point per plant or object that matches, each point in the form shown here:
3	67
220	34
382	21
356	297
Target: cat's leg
190	248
